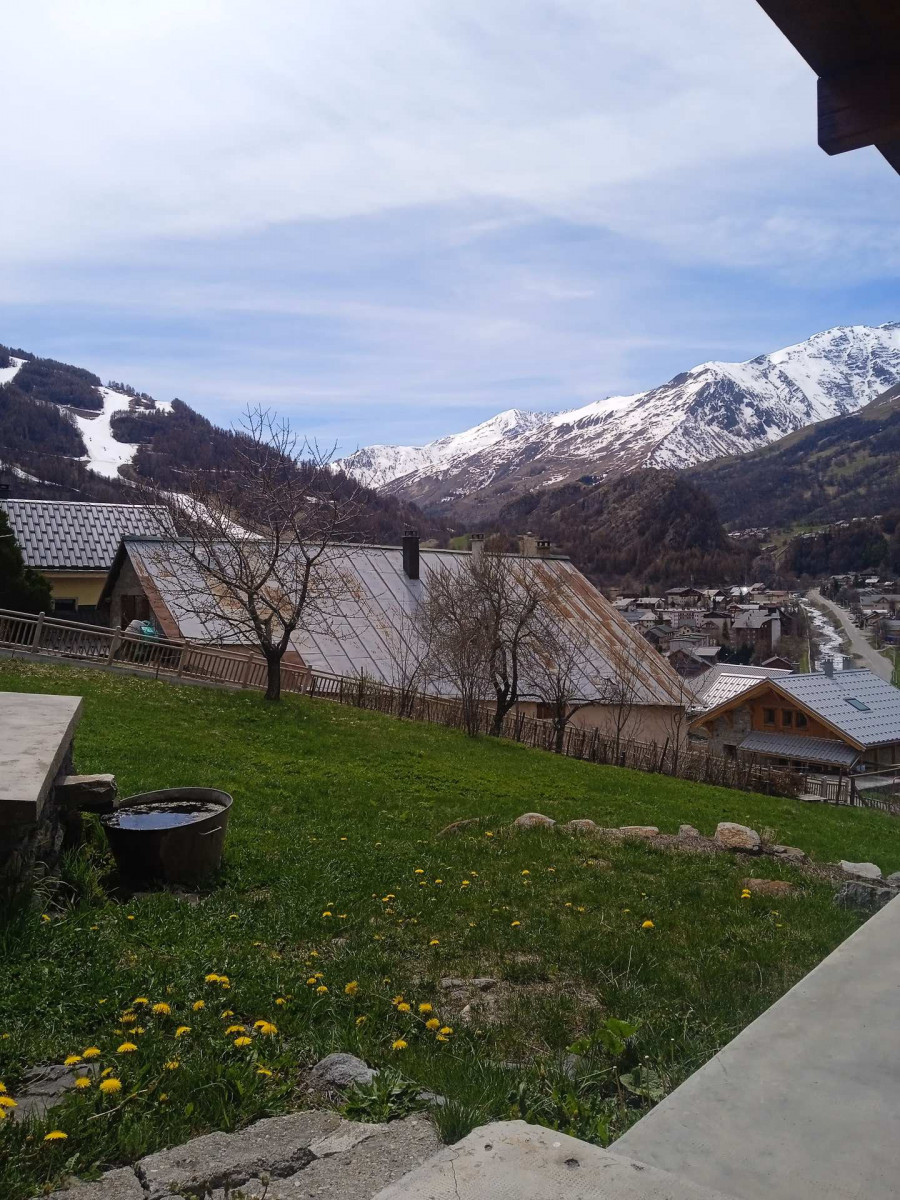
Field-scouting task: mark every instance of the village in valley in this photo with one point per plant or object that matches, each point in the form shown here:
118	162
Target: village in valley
455	754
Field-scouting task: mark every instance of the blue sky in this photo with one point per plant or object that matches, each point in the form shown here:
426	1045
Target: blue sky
390	220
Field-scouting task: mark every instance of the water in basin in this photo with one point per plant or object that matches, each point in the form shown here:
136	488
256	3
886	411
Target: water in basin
162	816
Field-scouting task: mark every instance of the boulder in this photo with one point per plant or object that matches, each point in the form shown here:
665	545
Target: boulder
341	1071
893	880
860	870
87	793
582	825
121	1184
533	821
770	887
868	897
731	836
644	831
460	826
44	1087
789	853
686	831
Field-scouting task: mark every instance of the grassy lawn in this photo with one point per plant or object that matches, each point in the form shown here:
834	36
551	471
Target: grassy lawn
338	905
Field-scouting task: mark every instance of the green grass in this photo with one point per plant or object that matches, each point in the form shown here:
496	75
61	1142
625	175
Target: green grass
336	811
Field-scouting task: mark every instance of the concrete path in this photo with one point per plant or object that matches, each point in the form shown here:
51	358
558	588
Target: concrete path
859	643
804	1104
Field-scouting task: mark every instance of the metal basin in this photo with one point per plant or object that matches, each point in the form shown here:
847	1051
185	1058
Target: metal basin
176	835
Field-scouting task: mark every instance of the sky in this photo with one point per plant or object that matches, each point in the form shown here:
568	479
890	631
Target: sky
390	220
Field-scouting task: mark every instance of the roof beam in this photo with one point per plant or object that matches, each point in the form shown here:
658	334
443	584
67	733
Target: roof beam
859	108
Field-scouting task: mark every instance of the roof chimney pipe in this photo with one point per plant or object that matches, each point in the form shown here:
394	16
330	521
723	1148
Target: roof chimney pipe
828	667
477	547
543	548
411	553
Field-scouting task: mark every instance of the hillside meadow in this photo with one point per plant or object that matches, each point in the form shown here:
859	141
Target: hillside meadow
618	968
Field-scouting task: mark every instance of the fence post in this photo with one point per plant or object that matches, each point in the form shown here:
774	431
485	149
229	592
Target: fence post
38	629
113	646
245	673
181	660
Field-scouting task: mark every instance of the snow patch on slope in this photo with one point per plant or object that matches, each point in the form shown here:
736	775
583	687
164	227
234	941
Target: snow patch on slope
8	374
104	454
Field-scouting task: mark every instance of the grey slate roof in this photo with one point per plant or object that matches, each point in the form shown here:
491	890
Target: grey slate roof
372	603
801	749
727	680
828	697
68	535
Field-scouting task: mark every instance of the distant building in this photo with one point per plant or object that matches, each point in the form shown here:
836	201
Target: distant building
73	543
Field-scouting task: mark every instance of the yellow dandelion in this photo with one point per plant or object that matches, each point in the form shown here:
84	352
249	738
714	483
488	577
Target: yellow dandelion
243	1041
235	1029
446	1030
321	990
198	1005
130	917
263	1071
439	881
327	912
233	917
110	1086
399	1044
226	1013
7	1102
3	1089
172	1065
45	917
71	1059
106	1071
434	942
279	1000
128	1018
647	925
312	980
425	1008
432	1024
404	1007
182	1030
361	1021
526	872
126	1048
161	1009
55	1135
488	833
212	977
82	1083
91	1052
140	1002
224	982
266	1028
465	883
418	871
515	923
351	988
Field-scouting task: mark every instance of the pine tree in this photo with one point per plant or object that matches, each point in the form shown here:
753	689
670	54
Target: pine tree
21	588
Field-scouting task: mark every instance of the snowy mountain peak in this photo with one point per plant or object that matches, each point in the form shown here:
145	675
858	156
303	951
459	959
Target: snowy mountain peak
713	409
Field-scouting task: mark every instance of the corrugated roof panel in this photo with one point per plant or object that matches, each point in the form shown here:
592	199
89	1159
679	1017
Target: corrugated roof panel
68	535
801	749
828	695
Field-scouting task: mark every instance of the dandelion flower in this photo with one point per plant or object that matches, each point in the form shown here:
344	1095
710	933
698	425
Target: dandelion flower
71	1059
82	1083
243	1041
404	1007
488	833
526	872
172	1065
279	1000
44	917
432	1024
226	1013
127	1048
110	1086
446	1030
140	1001
263	1071
224	982
128	1018
425	1008
55	1135
3	1089
198	1005
91	1052
440	1038
439	881
515	923
311	980
182	1030
235	1029
266	1028
7	1102
321	990
465	883
106	1071
327	912
361	1021
434	942
418	871
233	917
162	1009
211	978
647	925
351	988
399	1044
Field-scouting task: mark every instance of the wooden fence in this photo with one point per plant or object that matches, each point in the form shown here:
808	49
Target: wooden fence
92	645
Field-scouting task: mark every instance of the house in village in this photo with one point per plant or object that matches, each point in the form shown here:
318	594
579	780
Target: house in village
829	721
374	592
759	628
73	544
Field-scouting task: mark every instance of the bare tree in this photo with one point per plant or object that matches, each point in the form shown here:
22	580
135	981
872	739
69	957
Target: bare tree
253	560
450	624
409	644
629	659
559	668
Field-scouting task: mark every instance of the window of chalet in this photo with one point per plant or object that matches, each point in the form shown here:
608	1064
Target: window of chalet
801	720
787	718
768	716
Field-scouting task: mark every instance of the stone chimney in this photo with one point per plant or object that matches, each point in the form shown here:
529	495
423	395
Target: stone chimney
477	545
411	553
828	667
529	545
543	548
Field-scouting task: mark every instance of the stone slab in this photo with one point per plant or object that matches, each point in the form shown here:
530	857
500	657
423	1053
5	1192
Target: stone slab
512	1160
35	734
801	1105
121	1184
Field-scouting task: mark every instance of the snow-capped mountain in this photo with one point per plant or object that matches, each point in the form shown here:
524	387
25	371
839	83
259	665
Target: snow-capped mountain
715	409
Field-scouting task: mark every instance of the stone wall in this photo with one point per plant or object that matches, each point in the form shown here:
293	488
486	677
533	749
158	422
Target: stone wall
31	850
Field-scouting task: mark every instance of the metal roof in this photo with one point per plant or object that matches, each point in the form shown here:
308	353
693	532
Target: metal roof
828	697
724	681
752	618
68	535
801	749
370	623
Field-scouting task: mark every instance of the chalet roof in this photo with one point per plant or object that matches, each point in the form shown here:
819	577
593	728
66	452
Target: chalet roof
801	749
371	606
727	680
752	618
856	702
69	535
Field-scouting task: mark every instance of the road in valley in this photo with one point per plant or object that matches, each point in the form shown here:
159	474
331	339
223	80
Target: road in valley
859	644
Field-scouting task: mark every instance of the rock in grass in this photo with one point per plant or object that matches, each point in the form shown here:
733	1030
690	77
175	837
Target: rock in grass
44	1087
460	826
731	836
893	880
770	887
121	1184
645	831
341	1071
868	897
582	825
790	853
686	831
533	821
861	870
